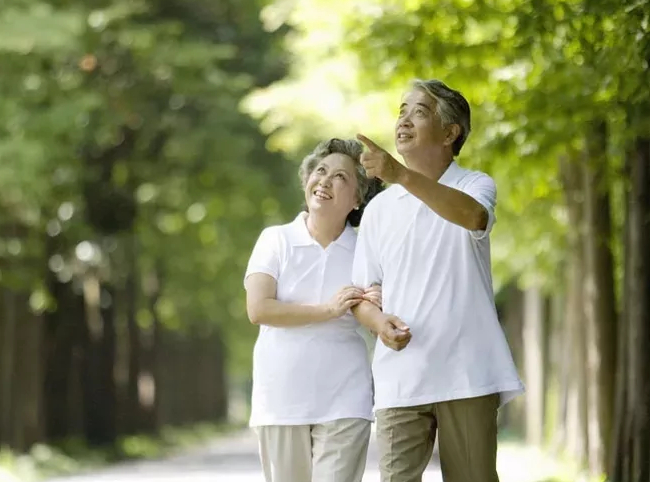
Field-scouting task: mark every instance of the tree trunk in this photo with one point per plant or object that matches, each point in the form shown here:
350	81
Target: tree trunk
167	384
555	384
599	298
511	314
619	462
152	341
639	308
534	363
565	389
28	378
578	408
577	437
631	461
62	354
99	357
134	412
220	380
148	385
7	364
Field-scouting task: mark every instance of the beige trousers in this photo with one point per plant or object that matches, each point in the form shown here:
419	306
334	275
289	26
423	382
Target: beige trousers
328	452
467	437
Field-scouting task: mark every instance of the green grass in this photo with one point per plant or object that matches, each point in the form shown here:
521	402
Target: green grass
73	456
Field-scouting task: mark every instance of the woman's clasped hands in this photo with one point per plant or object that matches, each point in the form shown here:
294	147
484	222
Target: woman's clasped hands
350	296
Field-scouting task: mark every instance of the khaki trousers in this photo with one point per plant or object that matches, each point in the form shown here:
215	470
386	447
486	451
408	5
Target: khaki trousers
467	437
329	452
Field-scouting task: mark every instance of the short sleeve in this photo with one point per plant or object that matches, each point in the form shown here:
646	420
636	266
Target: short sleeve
265	257
366	268
484	191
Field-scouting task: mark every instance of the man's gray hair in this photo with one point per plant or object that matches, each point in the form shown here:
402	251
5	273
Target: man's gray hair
451	107
349	147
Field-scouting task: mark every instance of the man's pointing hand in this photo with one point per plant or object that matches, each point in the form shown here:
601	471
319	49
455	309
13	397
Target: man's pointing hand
379	163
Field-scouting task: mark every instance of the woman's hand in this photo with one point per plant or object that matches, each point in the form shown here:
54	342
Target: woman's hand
346	298
373	294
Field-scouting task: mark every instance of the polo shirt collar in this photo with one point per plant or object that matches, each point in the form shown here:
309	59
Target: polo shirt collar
449	176
299	234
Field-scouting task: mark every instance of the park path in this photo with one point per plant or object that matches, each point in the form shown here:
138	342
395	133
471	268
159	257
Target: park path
234	459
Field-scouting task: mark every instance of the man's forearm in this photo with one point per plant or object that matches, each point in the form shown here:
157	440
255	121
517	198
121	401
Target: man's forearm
369	315
451	204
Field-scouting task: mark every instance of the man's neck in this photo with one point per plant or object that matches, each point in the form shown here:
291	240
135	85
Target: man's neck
432	167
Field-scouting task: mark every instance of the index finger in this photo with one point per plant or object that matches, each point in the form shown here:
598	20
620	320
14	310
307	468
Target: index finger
371	145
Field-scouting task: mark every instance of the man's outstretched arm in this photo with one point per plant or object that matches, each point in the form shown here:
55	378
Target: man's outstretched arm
451	204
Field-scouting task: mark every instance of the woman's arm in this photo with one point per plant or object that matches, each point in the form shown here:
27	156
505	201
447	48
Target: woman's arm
264	309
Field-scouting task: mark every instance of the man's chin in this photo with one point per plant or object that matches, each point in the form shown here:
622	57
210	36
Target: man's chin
403	149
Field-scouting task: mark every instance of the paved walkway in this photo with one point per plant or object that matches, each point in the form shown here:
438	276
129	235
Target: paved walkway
234	459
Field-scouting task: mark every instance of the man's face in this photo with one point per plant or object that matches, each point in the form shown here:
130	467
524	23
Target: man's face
418	127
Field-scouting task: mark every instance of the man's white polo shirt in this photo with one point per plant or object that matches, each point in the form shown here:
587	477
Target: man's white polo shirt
436	277
313	373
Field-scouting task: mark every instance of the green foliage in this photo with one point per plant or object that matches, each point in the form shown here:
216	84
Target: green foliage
122	119
44	462
537	75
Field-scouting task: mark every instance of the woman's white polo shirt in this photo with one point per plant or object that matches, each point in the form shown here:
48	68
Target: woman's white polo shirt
312	373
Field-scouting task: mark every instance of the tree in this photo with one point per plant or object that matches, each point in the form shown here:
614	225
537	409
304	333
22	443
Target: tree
131	186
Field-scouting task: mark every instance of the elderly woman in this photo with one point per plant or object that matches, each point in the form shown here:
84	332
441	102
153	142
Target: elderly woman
312	388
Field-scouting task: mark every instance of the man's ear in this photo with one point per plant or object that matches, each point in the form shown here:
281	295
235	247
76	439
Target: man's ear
453	132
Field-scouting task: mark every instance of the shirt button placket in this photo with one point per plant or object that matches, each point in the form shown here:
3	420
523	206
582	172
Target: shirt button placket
323	264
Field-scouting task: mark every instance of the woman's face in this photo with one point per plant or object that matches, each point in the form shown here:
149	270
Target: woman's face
331	189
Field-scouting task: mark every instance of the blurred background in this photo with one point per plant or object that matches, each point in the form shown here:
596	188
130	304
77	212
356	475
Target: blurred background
144	144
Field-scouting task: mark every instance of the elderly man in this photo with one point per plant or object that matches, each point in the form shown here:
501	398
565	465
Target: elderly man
442	365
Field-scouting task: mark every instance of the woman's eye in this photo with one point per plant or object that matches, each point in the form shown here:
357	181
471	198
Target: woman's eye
340	176
320	170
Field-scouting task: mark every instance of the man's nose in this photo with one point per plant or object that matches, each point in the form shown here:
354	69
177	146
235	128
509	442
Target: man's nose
405	121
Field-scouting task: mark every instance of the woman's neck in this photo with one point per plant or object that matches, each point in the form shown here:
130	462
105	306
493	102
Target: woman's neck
324	230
